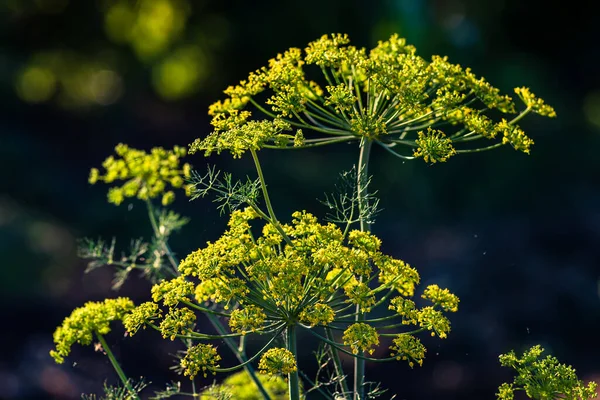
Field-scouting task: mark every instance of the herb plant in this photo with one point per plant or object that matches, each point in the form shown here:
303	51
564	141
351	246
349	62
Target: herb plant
275	276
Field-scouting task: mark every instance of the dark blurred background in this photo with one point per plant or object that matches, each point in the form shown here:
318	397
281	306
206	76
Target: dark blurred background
516	237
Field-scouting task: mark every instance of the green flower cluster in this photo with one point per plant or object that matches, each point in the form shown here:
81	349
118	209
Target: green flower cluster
434	146
309	276
406	347
239	386
543	378
146	175
277	361
250	318
428	318
292	280
202	358
140	316
389	95
93	318
361	337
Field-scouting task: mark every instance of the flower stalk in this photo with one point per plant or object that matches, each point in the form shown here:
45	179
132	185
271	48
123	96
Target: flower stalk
116	365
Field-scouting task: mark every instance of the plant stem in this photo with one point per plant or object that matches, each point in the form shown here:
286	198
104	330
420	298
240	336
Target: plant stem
362	179
338	364
293	388
263	186
214	320
239	355
158	235
361	185
115	364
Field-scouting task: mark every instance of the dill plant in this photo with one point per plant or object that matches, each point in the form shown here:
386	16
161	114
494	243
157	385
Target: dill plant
275	278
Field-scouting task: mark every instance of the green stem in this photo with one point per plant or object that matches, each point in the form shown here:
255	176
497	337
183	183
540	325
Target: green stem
239	355
316	387
338	364
214	320
293	387
521	115
314	144
481	148
254	357
263	186
394	153
115	364
158	236
361	183
362	178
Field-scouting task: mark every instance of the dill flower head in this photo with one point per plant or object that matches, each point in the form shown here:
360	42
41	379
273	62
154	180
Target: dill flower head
140	316
305	273
145	175
277	361
408	348
243	387
543	378
178	321
317	314
201	358
434	146
361	337
441	297
171	292
85	322
333	92
248	318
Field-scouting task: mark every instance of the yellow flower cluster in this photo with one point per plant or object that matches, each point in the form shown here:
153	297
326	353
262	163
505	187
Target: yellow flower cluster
428	317
515	136
317	314
389	94
441	297
303	272
246	319
171	292
85	322
361	337
536	104
146	175
543	378
178	321
277	361
398	275
408	348
239	386
140	316
434	146
201	358
290	277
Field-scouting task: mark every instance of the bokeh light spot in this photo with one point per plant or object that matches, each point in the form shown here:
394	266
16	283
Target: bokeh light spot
36	84
591	108
158	24
106	87
118	22
180	74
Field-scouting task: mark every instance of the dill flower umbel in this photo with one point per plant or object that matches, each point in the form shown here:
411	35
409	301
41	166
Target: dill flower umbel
146	175
543	378
361	337
277	361
202	358
140	316
388	95
306	275
85	322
